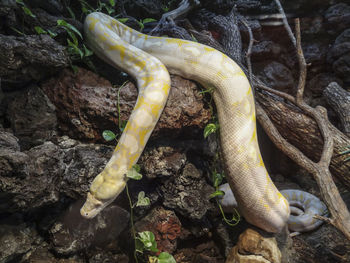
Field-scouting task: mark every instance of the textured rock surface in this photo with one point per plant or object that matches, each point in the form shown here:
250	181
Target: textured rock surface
23	59
162	161
165	226
34	122
71	233
339	55
16	240
203	253
87	104
188	193
278	76
252	247
321	246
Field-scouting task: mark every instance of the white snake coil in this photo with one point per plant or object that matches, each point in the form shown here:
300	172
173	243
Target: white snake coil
304	206
143	56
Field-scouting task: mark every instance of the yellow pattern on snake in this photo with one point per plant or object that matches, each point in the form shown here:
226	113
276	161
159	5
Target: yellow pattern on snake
143	56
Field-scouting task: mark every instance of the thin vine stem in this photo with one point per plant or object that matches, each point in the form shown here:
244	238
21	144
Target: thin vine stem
132	221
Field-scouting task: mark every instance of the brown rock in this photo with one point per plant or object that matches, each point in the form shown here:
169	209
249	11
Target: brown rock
252	247
165	225
203	253
162	162
88	104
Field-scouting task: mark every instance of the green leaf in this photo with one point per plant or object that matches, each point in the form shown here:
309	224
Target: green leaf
74	49
149	241
134	174
193	38
20	2
87	52
85	10
142	200
209	129
27	11
142	26
39	30
112	2
217	178
137	167
123	20
147	20
70	27
165	257
217	193
108	135
52	34
70	11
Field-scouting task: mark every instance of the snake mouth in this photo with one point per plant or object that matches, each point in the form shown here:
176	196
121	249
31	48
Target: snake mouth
93	206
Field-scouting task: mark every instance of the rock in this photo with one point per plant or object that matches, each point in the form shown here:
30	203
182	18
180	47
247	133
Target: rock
108	257
252	247
318	83
71	233
16	240
87	105
337	18
162	162
82	164
188	193
145	8
324	245
315	53
52	6
278	76
339	55
9	141
203	253
165	225
23	59
265	49
32	117
28	179
7	9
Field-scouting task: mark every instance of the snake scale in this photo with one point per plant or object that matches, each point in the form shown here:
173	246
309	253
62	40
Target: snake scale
144	57
304	206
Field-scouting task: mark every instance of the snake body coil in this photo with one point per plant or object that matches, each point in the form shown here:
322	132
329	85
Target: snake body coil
304	206
138	54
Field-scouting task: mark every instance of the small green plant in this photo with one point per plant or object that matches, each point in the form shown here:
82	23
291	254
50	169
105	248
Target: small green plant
146	242
217	180
109	7
210	128
145	21
25	9
39	30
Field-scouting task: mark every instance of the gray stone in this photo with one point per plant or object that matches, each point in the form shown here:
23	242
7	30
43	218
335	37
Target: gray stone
188	193
337	18
16	240
33	118
339	56
278	76
162	161
23	59
72	233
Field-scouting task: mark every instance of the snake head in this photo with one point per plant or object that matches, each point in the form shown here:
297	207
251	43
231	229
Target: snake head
93	206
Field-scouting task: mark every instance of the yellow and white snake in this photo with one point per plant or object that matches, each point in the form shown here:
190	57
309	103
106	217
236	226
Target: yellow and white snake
143	56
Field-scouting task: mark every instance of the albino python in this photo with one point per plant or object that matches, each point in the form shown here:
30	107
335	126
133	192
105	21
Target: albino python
143	56
304	206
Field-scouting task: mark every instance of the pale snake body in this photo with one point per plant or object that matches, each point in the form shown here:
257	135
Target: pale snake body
143	56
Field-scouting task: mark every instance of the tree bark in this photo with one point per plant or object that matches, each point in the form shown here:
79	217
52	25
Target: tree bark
302	131
339	100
